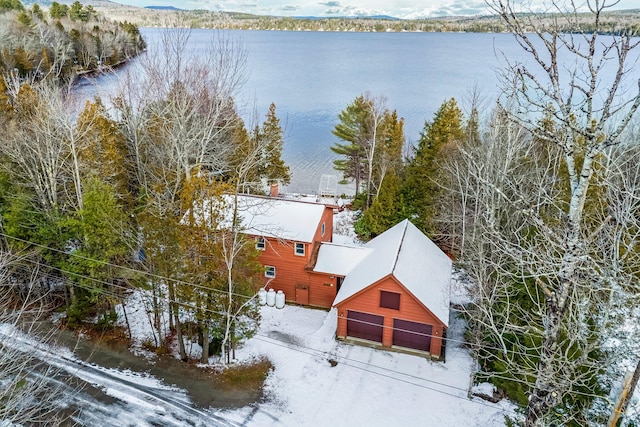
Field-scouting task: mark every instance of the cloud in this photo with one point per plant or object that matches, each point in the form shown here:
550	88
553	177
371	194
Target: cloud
331	4
289	8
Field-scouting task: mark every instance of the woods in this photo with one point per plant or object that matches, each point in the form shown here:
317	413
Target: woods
62	42
537	203
536	198
104	194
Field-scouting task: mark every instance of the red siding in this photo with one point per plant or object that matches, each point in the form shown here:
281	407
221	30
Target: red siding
368	301
290	268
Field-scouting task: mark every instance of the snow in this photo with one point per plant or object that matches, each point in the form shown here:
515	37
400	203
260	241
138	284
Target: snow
279	218
339	259
316	381
319	381
413	259
366	386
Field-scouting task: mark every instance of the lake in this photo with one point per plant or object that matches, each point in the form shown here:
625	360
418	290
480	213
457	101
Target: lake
312	76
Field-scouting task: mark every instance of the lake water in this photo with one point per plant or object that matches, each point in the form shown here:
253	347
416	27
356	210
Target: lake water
312	76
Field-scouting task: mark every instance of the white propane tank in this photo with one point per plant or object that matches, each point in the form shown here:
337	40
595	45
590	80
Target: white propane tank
271	298
262	296
280	299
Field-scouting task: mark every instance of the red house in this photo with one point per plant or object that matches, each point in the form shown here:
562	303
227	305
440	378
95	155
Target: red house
399	294
392	292
289	233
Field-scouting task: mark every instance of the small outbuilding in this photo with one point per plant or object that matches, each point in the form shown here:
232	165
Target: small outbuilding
398	295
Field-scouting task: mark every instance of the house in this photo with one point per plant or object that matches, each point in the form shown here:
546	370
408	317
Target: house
288	234
392	292
399	294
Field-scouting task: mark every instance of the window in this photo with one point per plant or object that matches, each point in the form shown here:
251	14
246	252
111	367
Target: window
269	271
322	228
299	249
260	243
390	300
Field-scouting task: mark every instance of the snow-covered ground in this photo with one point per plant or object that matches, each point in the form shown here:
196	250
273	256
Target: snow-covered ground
318	381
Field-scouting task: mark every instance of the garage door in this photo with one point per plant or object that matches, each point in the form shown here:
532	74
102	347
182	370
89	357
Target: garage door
364	326
412	335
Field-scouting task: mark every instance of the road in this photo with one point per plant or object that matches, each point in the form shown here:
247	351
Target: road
93	395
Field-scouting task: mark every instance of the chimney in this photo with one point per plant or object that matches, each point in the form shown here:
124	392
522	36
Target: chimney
274	191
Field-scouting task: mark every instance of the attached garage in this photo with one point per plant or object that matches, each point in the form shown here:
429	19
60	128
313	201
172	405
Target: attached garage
412	335
364	326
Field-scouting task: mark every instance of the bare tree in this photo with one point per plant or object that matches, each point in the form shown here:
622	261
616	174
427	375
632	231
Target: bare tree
538	211
178	113
29	394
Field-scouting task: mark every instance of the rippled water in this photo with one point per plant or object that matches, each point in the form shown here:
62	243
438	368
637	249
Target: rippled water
312	76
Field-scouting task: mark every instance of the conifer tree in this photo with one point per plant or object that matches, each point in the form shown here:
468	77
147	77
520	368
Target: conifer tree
421	189
273	168
104	153
354	129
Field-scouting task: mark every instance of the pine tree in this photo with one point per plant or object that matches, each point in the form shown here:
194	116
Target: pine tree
421	189
273	168
354	128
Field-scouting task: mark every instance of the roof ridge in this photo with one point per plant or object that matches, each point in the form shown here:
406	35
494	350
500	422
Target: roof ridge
397	255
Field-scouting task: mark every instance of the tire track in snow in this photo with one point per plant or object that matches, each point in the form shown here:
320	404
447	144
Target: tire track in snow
115	385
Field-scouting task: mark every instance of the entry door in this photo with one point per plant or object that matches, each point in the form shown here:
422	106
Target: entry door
302	294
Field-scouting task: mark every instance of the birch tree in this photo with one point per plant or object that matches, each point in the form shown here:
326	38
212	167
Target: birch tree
541	218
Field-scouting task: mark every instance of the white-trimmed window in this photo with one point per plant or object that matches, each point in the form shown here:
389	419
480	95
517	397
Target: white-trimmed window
322	229
260	243
269	271
299	249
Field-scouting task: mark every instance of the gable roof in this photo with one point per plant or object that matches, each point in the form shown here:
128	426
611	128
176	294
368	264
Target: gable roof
339	259
413	259
279	218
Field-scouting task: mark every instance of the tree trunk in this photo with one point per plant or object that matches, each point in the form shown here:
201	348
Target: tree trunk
205	343
178	328
630	383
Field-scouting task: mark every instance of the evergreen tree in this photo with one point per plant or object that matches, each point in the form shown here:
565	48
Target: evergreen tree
421	189
385	211
78	13
10	5
57	10
99	235
355	129
273	167
104	148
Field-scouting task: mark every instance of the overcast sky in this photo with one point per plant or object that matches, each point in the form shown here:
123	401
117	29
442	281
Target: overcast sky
398	8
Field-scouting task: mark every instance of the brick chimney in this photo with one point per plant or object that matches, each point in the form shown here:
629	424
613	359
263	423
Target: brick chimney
274	191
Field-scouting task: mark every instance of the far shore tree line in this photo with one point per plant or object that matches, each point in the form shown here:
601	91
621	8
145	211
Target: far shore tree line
537	198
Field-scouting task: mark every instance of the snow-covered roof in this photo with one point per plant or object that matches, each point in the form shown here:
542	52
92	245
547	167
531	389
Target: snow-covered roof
339	259
413	259
278	218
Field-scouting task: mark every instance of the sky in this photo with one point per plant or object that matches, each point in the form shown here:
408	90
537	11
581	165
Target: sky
406	9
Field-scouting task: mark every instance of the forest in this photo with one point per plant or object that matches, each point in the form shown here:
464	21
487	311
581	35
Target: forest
612	21
537	200
535	197
63	41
